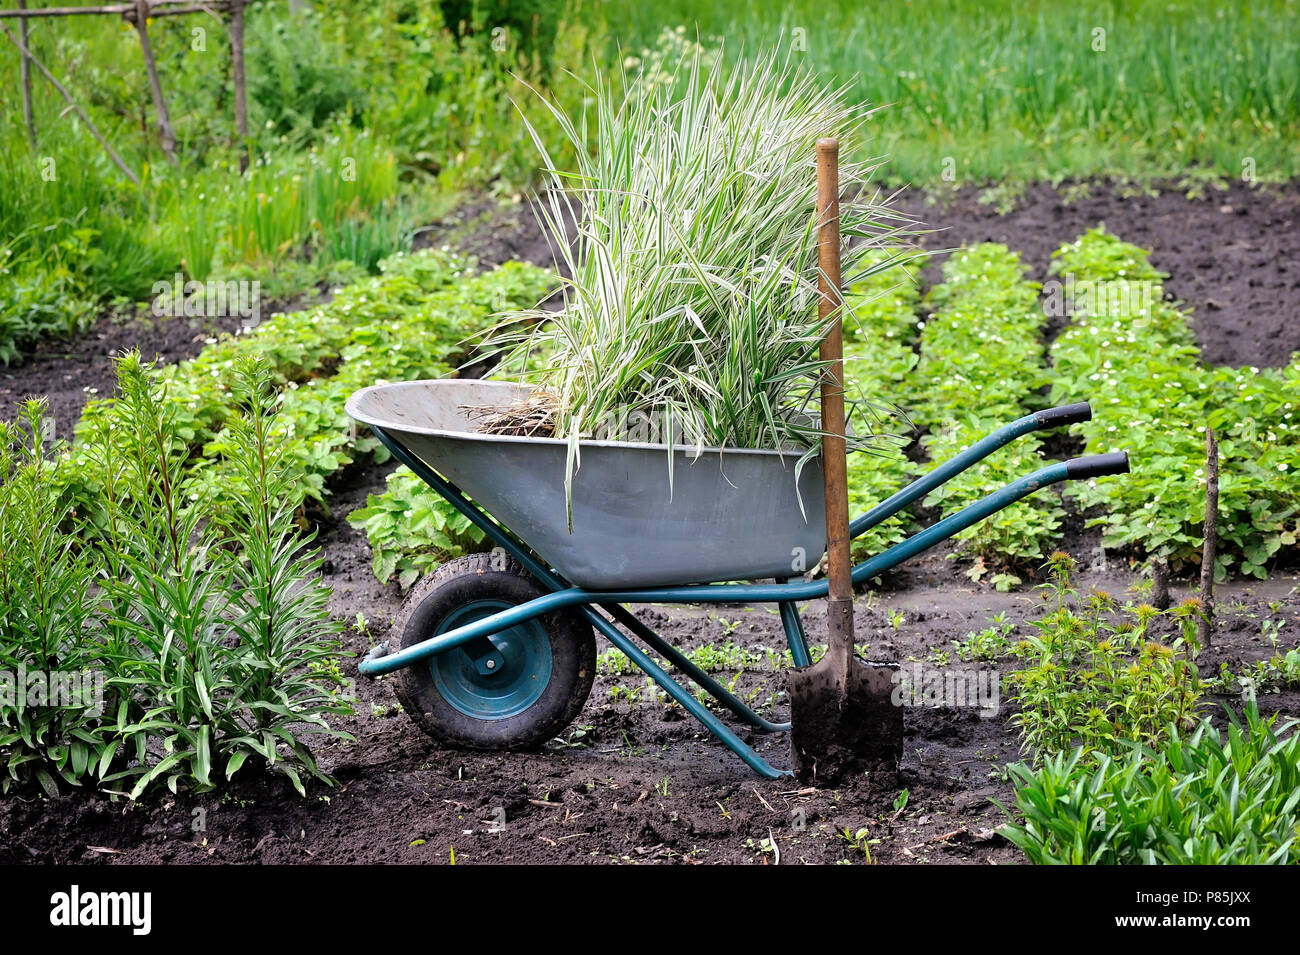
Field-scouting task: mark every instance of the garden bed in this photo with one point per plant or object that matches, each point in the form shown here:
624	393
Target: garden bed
1230	254
642	782
401	799
1233	268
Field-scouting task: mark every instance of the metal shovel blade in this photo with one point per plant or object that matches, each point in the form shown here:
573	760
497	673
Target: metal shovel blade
844	723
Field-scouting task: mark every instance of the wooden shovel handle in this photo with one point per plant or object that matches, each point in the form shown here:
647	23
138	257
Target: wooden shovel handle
834	462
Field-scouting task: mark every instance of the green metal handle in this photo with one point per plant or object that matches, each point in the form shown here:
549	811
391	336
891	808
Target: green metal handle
1038	421
725	593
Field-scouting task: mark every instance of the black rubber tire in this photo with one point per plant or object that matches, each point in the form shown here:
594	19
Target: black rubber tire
573	657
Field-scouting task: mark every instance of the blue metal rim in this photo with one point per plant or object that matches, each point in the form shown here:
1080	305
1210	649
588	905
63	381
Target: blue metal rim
519	677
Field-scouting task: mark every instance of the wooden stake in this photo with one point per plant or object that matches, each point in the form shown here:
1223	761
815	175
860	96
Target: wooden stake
94	130
839	603
1205	626
1160	584
25	69
237	68
166	137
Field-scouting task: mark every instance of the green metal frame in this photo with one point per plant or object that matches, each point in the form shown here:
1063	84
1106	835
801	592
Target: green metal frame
785	594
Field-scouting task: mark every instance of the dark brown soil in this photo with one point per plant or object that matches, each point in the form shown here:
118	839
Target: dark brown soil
70	372
494	232
636	780
1230	255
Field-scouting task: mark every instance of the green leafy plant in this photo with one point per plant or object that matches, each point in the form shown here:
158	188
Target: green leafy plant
1133	355
210	634
880	327
860	841
981	363
412	530
41	296
1187	800
900	801
991	643
1097	682
222	625
47	609
300	84
1281	671
284	682
411	321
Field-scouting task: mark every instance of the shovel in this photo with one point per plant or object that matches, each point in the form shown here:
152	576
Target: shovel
843	719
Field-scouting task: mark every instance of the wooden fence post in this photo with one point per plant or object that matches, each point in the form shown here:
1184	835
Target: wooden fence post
166	137
25	70
94	130
237	69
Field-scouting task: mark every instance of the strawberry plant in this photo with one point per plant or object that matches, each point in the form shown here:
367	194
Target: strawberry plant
879	360
299	346
981	364
426	340
1140	367
412	529
416	319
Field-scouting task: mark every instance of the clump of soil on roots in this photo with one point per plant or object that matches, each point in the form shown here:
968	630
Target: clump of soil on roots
533	417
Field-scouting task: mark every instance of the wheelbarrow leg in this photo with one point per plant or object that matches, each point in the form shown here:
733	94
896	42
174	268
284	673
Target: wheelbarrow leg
679	693
794	635
683	663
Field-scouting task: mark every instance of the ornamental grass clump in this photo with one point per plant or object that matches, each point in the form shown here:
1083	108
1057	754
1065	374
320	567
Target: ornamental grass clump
688	230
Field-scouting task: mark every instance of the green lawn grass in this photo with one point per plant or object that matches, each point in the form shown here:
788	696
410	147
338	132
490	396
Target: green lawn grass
1044	89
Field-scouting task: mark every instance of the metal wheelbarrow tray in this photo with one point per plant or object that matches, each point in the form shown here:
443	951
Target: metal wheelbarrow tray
729	515
499	652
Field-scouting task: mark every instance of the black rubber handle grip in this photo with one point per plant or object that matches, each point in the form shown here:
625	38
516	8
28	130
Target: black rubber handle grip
1097	465
1066	414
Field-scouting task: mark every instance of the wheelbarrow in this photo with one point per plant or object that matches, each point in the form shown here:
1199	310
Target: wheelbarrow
498	651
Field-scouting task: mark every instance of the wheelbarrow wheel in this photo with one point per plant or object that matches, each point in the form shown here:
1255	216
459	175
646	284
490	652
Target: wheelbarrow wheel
512	690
